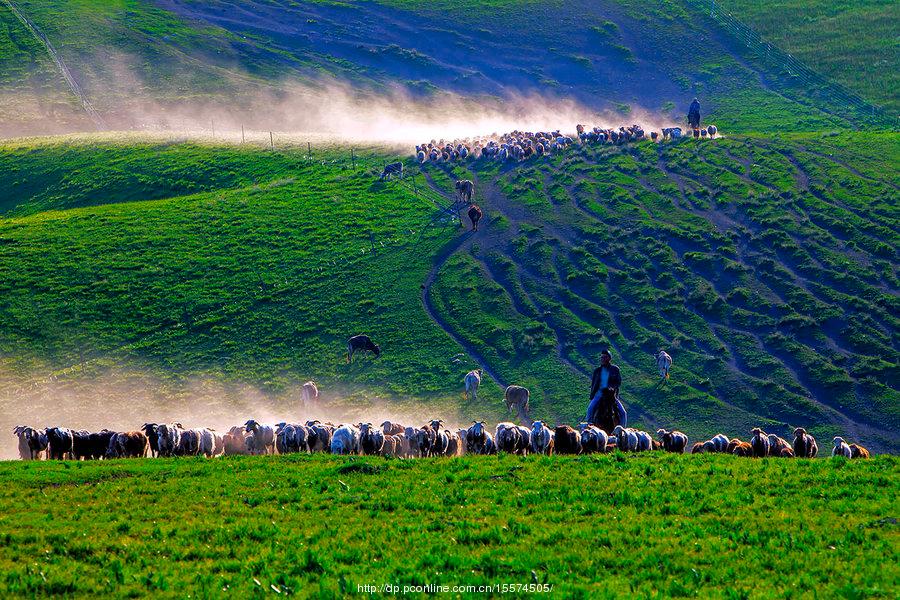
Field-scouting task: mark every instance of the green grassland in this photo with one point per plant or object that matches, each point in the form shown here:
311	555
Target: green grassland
659	526
766	266
854	42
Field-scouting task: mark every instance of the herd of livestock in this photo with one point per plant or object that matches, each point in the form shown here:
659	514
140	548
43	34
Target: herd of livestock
399	441
521	145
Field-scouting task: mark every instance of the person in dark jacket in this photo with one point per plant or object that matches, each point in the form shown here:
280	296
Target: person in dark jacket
694	114
607	375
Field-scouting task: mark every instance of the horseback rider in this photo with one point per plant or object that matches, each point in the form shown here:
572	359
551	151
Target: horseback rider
606	376
694	114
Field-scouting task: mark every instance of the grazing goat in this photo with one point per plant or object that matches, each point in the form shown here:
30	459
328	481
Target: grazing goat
841	448
345	440
517	396
743	449
804	444
673	441
777	444
720	441
857	451
32	442
759	442
392	169
262	437
371	440
472	380
663	363
567	440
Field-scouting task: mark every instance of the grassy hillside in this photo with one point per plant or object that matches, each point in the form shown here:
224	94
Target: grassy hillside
855	42
137	58
319	526
254	267
766	267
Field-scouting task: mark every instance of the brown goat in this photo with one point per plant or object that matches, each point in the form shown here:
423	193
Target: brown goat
567	440
857	451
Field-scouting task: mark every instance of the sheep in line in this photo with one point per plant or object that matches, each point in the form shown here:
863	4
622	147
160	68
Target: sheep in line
522	145
672	441
593	439
398	441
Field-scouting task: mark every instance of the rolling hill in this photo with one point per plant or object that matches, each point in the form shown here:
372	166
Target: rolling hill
766	266
156	271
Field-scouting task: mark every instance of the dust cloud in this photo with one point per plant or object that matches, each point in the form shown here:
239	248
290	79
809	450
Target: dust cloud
124	400
336	111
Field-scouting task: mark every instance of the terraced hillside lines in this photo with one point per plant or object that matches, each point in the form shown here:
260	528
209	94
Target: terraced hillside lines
661	525
767	269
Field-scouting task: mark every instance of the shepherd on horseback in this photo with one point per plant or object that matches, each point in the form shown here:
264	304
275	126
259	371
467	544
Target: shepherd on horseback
694	114
606	409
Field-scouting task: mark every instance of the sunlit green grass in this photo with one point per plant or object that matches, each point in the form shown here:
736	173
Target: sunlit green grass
660	526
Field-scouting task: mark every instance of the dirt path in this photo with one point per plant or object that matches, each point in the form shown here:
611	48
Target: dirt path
60	64
461	242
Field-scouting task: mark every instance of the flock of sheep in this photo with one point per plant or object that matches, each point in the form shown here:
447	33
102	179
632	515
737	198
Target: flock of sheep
521	145
398	441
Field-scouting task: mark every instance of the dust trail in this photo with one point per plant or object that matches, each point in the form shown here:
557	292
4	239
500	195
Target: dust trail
124	401
338	112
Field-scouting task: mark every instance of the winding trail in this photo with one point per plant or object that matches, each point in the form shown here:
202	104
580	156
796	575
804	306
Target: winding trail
60	65
458	243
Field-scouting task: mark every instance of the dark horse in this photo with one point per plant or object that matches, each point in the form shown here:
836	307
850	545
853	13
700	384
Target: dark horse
605	416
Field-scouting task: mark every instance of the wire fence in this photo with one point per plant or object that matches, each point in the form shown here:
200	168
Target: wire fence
793	73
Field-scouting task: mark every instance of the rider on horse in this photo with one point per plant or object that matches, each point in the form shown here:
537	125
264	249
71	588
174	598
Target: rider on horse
606	378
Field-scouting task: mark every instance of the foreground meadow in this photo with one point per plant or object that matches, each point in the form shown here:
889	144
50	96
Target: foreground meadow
653	525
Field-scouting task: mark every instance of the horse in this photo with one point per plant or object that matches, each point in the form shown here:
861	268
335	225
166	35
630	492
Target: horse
605	416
